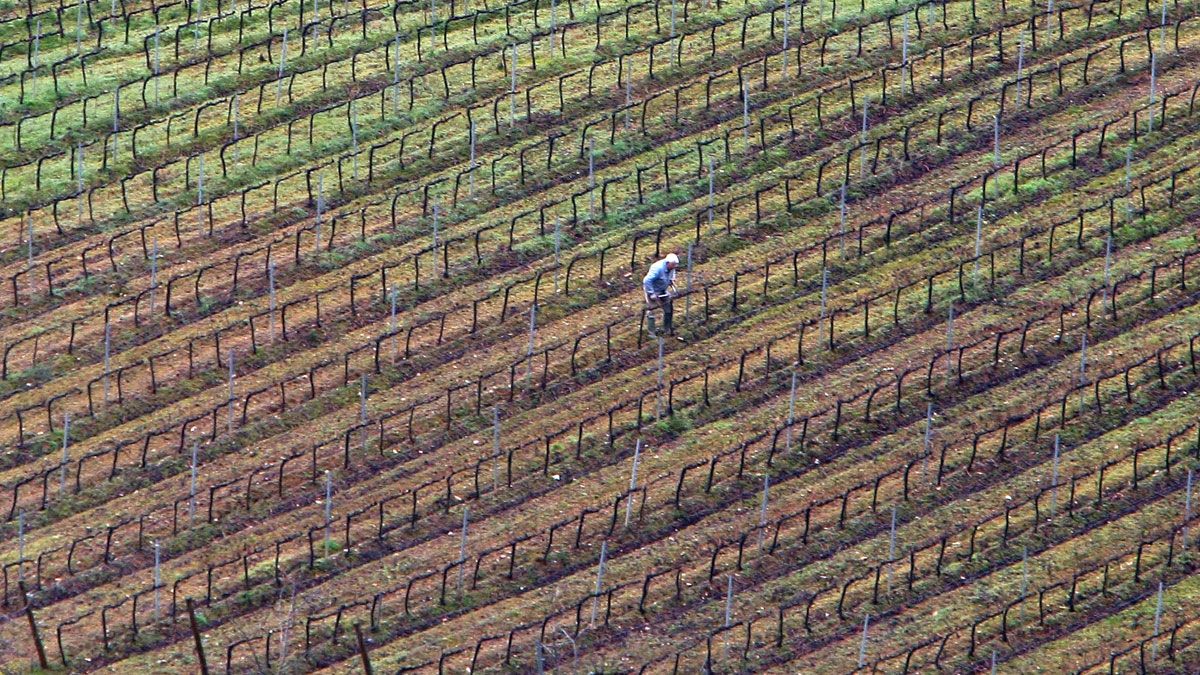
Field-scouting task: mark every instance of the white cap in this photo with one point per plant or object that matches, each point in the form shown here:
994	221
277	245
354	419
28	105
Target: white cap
672	258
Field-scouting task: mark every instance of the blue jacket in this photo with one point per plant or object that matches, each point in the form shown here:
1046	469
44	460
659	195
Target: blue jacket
658	279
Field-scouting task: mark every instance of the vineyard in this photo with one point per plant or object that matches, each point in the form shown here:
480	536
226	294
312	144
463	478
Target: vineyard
324	347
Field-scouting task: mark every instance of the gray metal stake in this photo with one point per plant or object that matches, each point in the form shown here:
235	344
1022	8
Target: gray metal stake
842	219
462	548
824	294
232	376
1153	88
157	579
353	139
1024	571
328	509
659	390
553	23
950	340
862	645
66	454
157	63
862	139
637	455
282	66
320	212
495	448
628	99
557	251
591	179
271	296
394	328
396	87
762	512
1054	477
978	239
1187	509
116	122
107	358
532	338
471	175
1128	183
996	140
927	449
599	580
192	485
1020	68
362	408
728	600
746	115
892	550
21	545
791	418
687	297
787	21
512	92
200	190
79	176
1158	610
153	274
35	62
436	213
710	194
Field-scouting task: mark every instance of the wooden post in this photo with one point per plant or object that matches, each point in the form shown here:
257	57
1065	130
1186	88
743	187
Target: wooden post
196	636
362	650
33	629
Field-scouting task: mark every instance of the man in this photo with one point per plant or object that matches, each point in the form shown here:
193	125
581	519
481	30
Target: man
659	286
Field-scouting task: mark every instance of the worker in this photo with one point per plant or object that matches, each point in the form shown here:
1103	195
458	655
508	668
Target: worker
659	287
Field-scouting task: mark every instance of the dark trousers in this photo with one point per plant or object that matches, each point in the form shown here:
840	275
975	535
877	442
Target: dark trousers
666	302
